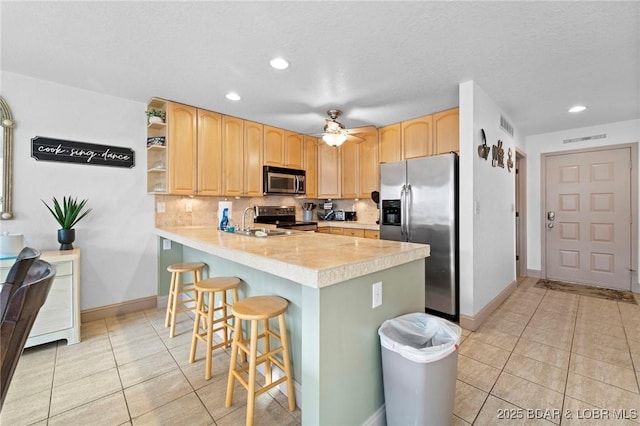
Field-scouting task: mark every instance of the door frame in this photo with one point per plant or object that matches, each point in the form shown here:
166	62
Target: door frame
521	209
635	287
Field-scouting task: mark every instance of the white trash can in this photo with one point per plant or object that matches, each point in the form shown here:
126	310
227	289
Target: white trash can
419	367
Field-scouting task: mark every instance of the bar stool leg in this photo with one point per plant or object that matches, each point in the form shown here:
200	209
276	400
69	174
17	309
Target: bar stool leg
234	359
287	362
196	327
174	305
170	299
253	352
267	348
207	370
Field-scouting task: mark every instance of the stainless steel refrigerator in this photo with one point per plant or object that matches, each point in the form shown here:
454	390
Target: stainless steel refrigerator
419	204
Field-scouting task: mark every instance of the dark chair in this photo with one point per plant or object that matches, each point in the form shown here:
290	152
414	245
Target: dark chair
16	275
22	309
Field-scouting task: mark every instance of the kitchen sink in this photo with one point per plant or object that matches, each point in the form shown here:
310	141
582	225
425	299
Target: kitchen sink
264	232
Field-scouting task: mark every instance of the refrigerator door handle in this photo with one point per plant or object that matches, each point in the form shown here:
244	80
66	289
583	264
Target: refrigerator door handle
407	201
403	198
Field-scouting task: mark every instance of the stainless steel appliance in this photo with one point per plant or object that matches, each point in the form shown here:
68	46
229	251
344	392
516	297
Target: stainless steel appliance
280	180
282	217
419	203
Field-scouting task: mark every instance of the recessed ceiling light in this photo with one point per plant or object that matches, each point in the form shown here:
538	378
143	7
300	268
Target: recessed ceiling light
233	96
577	108
279	63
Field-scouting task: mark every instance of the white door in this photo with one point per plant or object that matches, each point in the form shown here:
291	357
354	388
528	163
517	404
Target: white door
588	218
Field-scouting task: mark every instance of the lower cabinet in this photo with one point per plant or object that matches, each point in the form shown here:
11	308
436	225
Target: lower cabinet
350	232
59	317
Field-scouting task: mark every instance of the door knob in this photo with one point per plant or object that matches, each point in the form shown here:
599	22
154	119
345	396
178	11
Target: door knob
551	215
549	225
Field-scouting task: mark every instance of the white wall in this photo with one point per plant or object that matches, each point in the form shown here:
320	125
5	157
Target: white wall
118	260
623	132
487	200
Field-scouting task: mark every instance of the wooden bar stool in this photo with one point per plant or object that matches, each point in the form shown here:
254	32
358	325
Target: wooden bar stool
259	309
180	297
206	316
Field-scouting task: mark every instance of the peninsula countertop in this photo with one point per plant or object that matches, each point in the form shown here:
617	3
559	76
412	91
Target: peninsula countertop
311	259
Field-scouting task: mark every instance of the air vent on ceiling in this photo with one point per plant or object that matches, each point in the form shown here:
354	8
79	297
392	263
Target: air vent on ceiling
585	138
505	125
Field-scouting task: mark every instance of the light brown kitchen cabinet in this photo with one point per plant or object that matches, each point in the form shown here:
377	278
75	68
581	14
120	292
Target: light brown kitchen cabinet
336	231
417	137
446	132
253	142
370	233
324	230
329	179
389	138
182	148
349	170
368	164
273	146
209	157
353	232
157	157
311	166
293	150
233	154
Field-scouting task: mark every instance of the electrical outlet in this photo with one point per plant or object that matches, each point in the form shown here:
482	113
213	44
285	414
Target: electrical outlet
161	207
376	293
166	244
188	206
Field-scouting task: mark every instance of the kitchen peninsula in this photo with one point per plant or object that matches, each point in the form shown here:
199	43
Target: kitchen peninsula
328	282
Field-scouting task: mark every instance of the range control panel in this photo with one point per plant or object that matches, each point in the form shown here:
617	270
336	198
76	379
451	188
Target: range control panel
275	211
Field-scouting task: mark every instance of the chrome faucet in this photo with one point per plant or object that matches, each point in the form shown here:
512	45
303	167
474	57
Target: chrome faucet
244	213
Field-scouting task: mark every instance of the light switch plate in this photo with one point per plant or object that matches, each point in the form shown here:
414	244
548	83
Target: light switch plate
166	244
376	294
161	207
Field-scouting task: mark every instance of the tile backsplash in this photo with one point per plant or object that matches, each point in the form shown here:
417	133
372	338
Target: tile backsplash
204	210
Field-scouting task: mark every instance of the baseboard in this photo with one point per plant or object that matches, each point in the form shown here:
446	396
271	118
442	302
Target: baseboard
534	273
474	322
118	309
379	418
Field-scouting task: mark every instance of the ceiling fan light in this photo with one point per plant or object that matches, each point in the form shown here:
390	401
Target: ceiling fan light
334	139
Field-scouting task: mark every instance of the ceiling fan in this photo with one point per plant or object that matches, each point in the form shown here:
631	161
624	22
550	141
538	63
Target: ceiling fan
335	133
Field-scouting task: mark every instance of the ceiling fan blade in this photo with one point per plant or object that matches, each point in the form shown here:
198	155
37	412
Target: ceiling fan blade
360	130
354	138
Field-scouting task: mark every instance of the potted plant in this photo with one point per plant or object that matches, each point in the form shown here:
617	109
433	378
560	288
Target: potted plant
67	215
156	115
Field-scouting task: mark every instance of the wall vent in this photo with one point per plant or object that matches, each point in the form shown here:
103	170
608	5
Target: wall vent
585	138
505	125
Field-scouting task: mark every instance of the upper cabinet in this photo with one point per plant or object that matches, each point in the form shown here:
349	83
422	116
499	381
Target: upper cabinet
157	158
329	178
253	142
446	132
368	164
311	166
283	148
350	170
432	134
417	137
209	153
390	148
181	145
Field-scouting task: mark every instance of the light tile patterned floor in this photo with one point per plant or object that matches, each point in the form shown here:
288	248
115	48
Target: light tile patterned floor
542	355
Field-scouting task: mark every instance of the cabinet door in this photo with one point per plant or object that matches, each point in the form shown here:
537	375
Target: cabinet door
370	233
369	167
311	166
389	137
328	171
253	134
182	135
350	170
336	231
233	154
293	150
447	131
209	153
273	146
417	137
353	232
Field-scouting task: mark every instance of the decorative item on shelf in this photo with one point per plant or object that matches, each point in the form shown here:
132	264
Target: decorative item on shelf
156	115
509	161
483	150
498	155
155	141
67	215
159	165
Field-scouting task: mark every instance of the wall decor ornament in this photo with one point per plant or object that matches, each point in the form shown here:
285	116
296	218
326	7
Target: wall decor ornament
483	150
498	155
509	161
49	149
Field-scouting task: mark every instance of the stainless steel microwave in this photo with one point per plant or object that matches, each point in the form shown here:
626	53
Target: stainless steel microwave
283	181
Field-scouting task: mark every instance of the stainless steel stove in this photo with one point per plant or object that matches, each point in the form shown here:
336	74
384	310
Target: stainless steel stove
282	217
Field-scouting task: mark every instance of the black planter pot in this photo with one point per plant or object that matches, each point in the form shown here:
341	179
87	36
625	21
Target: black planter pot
66	237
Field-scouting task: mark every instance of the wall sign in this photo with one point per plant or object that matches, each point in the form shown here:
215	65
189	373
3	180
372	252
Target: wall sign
48	149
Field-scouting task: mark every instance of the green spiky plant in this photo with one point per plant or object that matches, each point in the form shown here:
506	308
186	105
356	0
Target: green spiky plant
69	213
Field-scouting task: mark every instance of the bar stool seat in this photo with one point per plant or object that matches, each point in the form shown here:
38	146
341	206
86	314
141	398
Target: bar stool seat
181	298
255	310
206	316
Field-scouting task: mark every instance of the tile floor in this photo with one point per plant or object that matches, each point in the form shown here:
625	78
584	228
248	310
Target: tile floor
542	357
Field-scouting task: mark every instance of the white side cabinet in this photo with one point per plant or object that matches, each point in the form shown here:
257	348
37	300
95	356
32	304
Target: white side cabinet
59	317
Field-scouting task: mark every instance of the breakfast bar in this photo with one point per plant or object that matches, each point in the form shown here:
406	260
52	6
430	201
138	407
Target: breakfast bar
330	319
